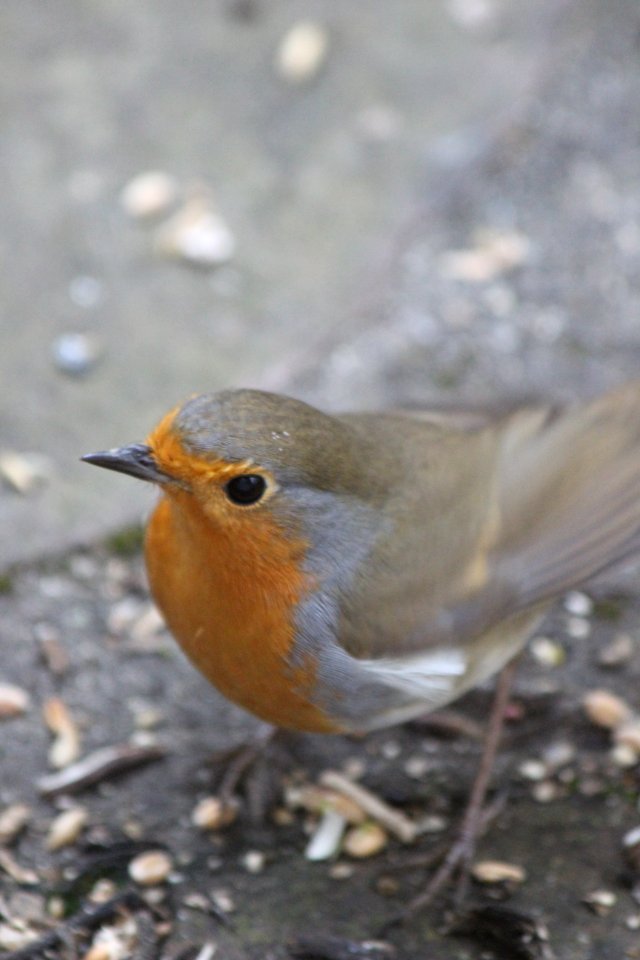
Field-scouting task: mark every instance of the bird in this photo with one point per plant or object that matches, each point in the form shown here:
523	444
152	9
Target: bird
340	573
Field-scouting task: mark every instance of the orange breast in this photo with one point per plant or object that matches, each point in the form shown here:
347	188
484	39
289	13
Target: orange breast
230	601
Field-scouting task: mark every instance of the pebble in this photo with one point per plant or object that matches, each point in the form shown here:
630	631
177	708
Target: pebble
14	701
102	891
222	899
497	871
600	901
578	604
22	875
13	820
365	840
431	823
390	750
147	624
56	907
417	766
212	813
631	847
618	652
302	52
606	709
66	828
628	733
495	252
624	756
533	770
548	652
254	861
24	472
75	353
341	870
147	718
197	234
150	868
544	792
149	194
123	614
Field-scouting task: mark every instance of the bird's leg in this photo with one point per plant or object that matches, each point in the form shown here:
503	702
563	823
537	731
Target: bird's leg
458	859
247	763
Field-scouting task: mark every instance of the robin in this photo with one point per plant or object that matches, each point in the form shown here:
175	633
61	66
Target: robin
336	573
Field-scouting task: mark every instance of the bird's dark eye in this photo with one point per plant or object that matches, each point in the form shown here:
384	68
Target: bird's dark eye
246	489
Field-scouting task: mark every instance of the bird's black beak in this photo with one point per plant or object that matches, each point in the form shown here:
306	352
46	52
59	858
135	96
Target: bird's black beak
136	460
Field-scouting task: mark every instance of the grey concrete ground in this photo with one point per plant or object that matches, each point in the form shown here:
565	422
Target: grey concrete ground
450	209
315	182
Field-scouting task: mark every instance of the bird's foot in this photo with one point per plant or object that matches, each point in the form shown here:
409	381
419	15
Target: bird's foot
249	770
454	865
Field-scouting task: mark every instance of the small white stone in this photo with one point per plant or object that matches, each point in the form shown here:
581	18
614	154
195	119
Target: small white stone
600	901
254	861
548	652
624	756
23	472
631	837
302	51
149	194
196	234
544	792
13	701
76	353
578	604
417	766
618	652
533	770
391	749
222	899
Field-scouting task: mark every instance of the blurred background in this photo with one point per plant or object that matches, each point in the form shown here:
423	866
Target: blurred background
358	203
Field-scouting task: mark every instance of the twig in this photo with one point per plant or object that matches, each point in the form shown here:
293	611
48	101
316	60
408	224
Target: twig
97	766
394	820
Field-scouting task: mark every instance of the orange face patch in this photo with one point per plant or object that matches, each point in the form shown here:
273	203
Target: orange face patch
228	580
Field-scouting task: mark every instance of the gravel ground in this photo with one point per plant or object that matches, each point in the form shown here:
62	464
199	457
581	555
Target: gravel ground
515	271
82	630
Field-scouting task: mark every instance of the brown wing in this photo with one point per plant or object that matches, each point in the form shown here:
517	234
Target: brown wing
507	517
